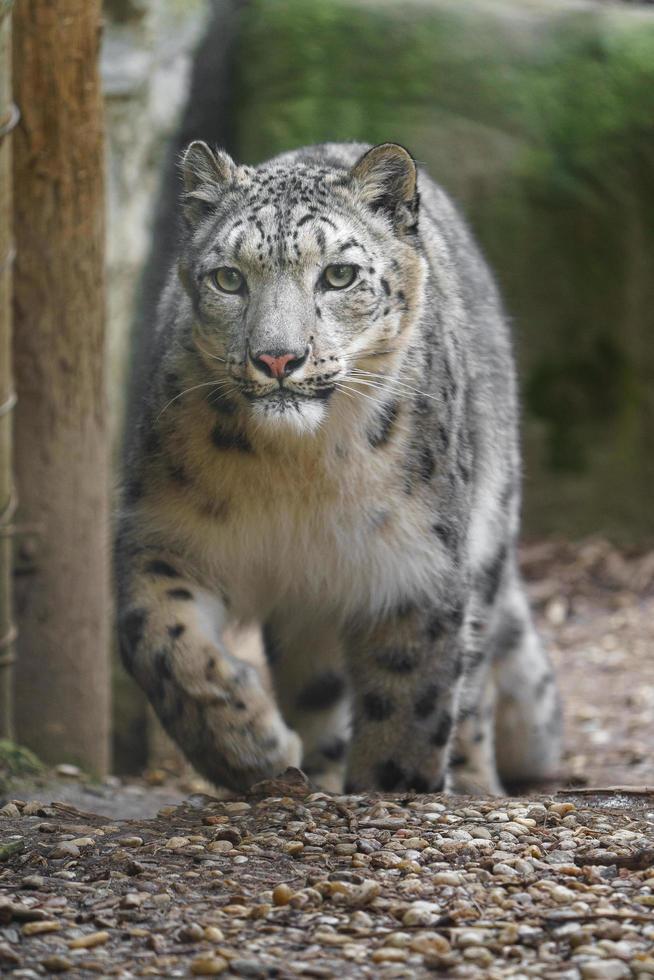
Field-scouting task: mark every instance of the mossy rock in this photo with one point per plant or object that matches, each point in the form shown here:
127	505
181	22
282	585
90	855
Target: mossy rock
16	763
539	120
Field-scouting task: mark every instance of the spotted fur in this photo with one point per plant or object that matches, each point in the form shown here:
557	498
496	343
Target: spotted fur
363	509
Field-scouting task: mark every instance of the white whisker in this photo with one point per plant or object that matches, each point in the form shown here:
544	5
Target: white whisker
393	381
205	384
208	353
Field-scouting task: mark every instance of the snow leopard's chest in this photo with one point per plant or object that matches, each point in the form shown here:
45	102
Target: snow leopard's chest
338	538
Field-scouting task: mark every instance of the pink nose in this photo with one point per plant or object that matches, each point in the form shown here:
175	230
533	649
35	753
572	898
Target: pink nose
278	365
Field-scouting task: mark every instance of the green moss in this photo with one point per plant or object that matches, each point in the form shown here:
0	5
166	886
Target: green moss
16	762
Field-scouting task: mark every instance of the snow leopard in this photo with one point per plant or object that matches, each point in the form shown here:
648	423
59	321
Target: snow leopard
326	445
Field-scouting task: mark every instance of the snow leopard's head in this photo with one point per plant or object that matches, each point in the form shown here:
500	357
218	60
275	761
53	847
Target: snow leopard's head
305	277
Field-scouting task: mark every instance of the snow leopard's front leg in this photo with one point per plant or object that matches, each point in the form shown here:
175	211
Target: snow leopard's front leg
405	676
213	704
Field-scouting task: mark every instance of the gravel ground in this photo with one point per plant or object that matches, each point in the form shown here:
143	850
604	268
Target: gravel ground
291	882
298	883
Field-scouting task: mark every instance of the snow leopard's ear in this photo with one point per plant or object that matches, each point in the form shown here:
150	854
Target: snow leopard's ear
205	173
386	178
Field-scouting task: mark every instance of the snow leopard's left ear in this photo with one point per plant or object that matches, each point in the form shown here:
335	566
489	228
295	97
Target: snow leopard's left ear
386	178
205	173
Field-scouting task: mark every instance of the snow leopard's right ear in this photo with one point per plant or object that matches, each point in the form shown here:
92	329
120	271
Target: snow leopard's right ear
205	173
386	179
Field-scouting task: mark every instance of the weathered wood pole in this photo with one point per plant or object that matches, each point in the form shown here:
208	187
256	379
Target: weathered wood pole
61	438
8	119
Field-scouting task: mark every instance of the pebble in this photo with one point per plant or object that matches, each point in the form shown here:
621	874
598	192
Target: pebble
389	955
422	914
208	966
237	807
175	843
68	771
604	970
45	925
431	944
248	968
471	937
57	964
32	881
447	878
64	850
190	933
282	894
562	895
361	920
90	940
131	841
9	810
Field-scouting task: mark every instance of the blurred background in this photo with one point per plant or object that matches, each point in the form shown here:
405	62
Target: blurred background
536	115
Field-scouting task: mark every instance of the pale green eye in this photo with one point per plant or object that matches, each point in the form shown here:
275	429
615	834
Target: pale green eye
228	280
339	276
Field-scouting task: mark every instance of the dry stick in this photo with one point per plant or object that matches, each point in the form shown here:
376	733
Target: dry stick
610	790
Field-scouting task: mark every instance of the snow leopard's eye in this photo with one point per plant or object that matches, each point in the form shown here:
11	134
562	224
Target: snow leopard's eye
339	276
227	279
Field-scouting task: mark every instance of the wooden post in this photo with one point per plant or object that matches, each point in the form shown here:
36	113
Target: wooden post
61	439
8	119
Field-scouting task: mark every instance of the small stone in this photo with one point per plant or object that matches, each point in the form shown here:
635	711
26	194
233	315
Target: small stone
32	881
57	964
214	935
430	944
478	954
471	937
447	878
45	925
561	809
64	850
216	846
83	842
132	900
562	895
422	914
8	955
9	810
248	968
68	771
361	920
503	869
208	966
389	954
175	843
90	940
294	847
282	894
604	970
399	939
190	933
131	841
237	807
33	808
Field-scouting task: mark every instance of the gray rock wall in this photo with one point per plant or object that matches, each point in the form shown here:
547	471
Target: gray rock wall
146	63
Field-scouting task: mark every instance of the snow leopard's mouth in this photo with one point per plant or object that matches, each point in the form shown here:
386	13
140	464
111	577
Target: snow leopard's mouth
283	398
